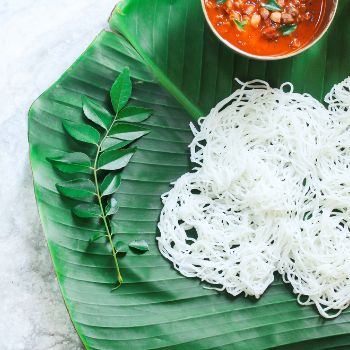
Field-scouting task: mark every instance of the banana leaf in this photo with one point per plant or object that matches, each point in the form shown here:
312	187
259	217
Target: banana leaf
180	70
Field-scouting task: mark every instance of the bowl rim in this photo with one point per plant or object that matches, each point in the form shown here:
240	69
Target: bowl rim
270	58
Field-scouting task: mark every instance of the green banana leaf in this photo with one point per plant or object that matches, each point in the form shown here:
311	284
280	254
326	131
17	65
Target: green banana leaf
180	70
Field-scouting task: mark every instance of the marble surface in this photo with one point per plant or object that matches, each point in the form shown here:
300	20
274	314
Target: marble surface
39	40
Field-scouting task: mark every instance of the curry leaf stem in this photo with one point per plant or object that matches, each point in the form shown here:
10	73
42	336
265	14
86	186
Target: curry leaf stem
99	198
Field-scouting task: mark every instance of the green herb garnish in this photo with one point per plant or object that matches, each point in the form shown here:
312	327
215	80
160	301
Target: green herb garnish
272	5
288	29
240	24
139	246
110	136
220	2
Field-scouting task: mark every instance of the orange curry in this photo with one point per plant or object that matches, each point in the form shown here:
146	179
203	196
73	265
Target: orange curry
266	27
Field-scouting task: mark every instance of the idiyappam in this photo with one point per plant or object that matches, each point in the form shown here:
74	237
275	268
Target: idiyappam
269	192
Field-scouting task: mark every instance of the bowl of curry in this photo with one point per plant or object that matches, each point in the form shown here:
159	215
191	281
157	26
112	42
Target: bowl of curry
269	29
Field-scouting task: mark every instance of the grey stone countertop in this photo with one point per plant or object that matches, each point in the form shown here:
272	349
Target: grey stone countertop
39	41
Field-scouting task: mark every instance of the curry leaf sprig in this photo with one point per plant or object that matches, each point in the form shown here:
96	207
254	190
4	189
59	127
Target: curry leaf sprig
111	135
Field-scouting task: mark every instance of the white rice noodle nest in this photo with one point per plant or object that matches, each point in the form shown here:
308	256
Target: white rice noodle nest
269	192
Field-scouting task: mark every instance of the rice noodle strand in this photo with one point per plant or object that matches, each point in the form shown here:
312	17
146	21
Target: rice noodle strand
269	191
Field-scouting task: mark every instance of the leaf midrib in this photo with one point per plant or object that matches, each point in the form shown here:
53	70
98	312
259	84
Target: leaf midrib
194	111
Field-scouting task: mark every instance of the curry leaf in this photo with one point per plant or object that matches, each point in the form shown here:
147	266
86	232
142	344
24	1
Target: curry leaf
77	189
96	237
114	227
111	143
82	132
288	29
96	113
134	114
121	248
110	184
220	2
240	24
115	160
139	245
272	5
128	132
87	210
112	207
121	90
71	163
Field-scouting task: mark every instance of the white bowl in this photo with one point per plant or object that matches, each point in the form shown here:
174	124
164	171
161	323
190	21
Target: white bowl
330	10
